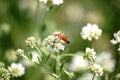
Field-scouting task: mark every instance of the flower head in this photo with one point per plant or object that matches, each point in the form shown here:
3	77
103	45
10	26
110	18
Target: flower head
54	43
90	32
19	52
16	69
96	69
4	74
31	41
116	39
90	54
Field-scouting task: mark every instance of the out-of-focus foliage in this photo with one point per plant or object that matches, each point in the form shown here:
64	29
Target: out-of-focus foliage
19	18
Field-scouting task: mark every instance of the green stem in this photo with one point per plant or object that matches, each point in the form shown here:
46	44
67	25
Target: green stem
93	77
38	50
65	55
106	76
90	44
25	57
66	72
58	66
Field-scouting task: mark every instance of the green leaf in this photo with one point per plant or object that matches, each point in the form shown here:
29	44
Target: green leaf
40	61
38	64
46	58
62	67
43	28
29	55
54	68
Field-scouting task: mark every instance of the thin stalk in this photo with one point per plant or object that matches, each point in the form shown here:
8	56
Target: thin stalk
38	50
25	57
93	77
90	44
66	55
58	66
106	76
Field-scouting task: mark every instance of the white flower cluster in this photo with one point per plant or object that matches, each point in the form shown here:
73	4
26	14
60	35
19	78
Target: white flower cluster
31	41
90	54
90	32
16	70
96	69
55	2
105	60
54	44
4	74
19	52
117	39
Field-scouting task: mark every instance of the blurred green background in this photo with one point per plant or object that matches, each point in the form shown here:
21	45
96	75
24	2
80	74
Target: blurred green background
18	20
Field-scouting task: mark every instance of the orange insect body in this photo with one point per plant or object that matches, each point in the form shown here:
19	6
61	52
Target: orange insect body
63	37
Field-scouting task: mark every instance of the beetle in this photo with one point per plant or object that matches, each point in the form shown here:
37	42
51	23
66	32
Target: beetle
63	37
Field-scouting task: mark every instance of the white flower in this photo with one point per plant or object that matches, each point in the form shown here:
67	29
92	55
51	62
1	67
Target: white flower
90	32
19	52
57	2
44	1
31	41
90	54
54	44
113	41
119	49
78	63
96	69
117	38
4	74
16	69
105	60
